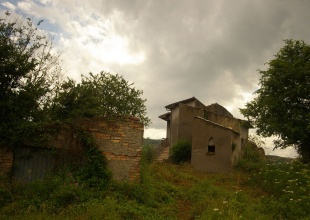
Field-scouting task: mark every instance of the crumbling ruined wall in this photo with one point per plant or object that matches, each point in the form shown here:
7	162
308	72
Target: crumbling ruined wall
121	143
223	120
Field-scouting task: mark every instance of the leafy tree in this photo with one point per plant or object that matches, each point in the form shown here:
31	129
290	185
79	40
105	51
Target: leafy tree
104	94
282	104
28	76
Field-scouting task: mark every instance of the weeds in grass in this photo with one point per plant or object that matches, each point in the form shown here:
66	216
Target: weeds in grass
288	186
274	191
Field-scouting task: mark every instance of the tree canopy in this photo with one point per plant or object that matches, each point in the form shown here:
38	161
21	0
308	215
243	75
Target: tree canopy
33	93
282	104
29	74
104	94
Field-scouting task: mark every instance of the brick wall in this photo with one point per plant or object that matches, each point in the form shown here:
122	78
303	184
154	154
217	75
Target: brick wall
121	143
6	161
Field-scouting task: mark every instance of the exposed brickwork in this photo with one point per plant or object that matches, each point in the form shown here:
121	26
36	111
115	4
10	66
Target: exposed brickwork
6	161
121	143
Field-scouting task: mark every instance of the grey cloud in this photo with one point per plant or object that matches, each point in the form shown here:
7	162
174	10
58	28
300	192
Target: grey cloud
190	45
203	48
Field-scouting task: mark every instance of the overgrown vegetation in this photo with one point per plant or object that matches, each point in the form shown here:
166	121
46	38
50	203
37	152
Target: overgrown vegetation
181	152
148	154
288	189
167	191
94	172
30	97
252	160
33	94
286	184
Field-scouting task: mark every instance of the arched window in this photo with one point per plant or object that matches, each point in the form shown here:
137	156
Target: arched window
211	146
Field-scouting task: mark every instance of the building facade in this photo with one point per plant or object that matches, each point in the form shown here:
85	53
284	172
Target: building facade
216	136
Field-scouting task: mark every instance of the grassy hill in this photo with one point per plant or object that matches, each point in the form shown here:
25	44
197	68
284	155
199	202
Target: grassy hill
259	190
277	159
151	142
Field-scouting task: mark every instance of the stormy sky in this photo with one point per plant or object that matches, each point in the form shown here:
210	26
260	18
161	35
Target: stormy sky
172	49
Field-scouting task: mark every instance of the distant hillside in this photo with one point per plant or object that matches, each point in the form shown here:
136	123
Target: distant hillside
152	142
277	159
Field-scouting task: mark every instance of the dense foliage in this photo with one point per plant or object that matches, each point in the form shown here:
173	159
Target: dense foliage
287	185
33	94
104	94
29	74
275	191
35	103
94	172
282	105
181	152
148	154
252	160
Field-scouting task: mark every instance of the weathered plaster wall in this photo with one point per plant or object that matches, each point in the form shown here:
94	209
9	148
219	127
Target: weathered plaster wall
219	110
237	152
6	161
191	103
174	126
226	121
198	104
186	115
244	132
220	162
168	133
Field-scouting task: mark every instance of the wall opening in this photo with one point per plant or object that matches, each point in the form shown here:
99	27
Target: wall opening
211	146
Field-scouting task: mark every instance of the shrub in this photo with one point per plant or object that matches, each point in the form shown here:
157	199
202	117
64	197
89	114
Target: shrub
94	173
5	191
147	154
251	160
181	152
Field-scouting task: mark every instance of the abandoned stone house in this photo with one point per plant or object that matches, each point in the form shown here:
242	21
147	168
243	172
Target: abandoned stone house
120	142
216	136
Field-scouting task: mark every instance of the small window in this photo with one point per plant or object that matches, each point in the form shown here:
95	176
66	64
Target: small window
211	146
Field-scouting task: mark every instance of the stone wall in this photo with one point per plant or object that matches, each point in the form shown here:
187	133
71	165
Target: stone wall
121	143
6	161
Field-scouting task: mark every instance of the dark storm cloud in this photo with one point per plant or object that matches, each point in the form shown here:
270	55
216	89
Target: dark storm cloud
203	48
207	48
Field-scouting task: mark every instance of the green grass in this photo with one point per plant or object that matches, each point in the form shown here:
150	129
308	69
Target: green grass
167	191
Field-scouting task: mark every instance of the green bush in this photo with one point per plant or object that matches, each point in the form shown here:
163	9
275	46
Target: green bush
181	152
251	159
148	154
94	173
5	191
